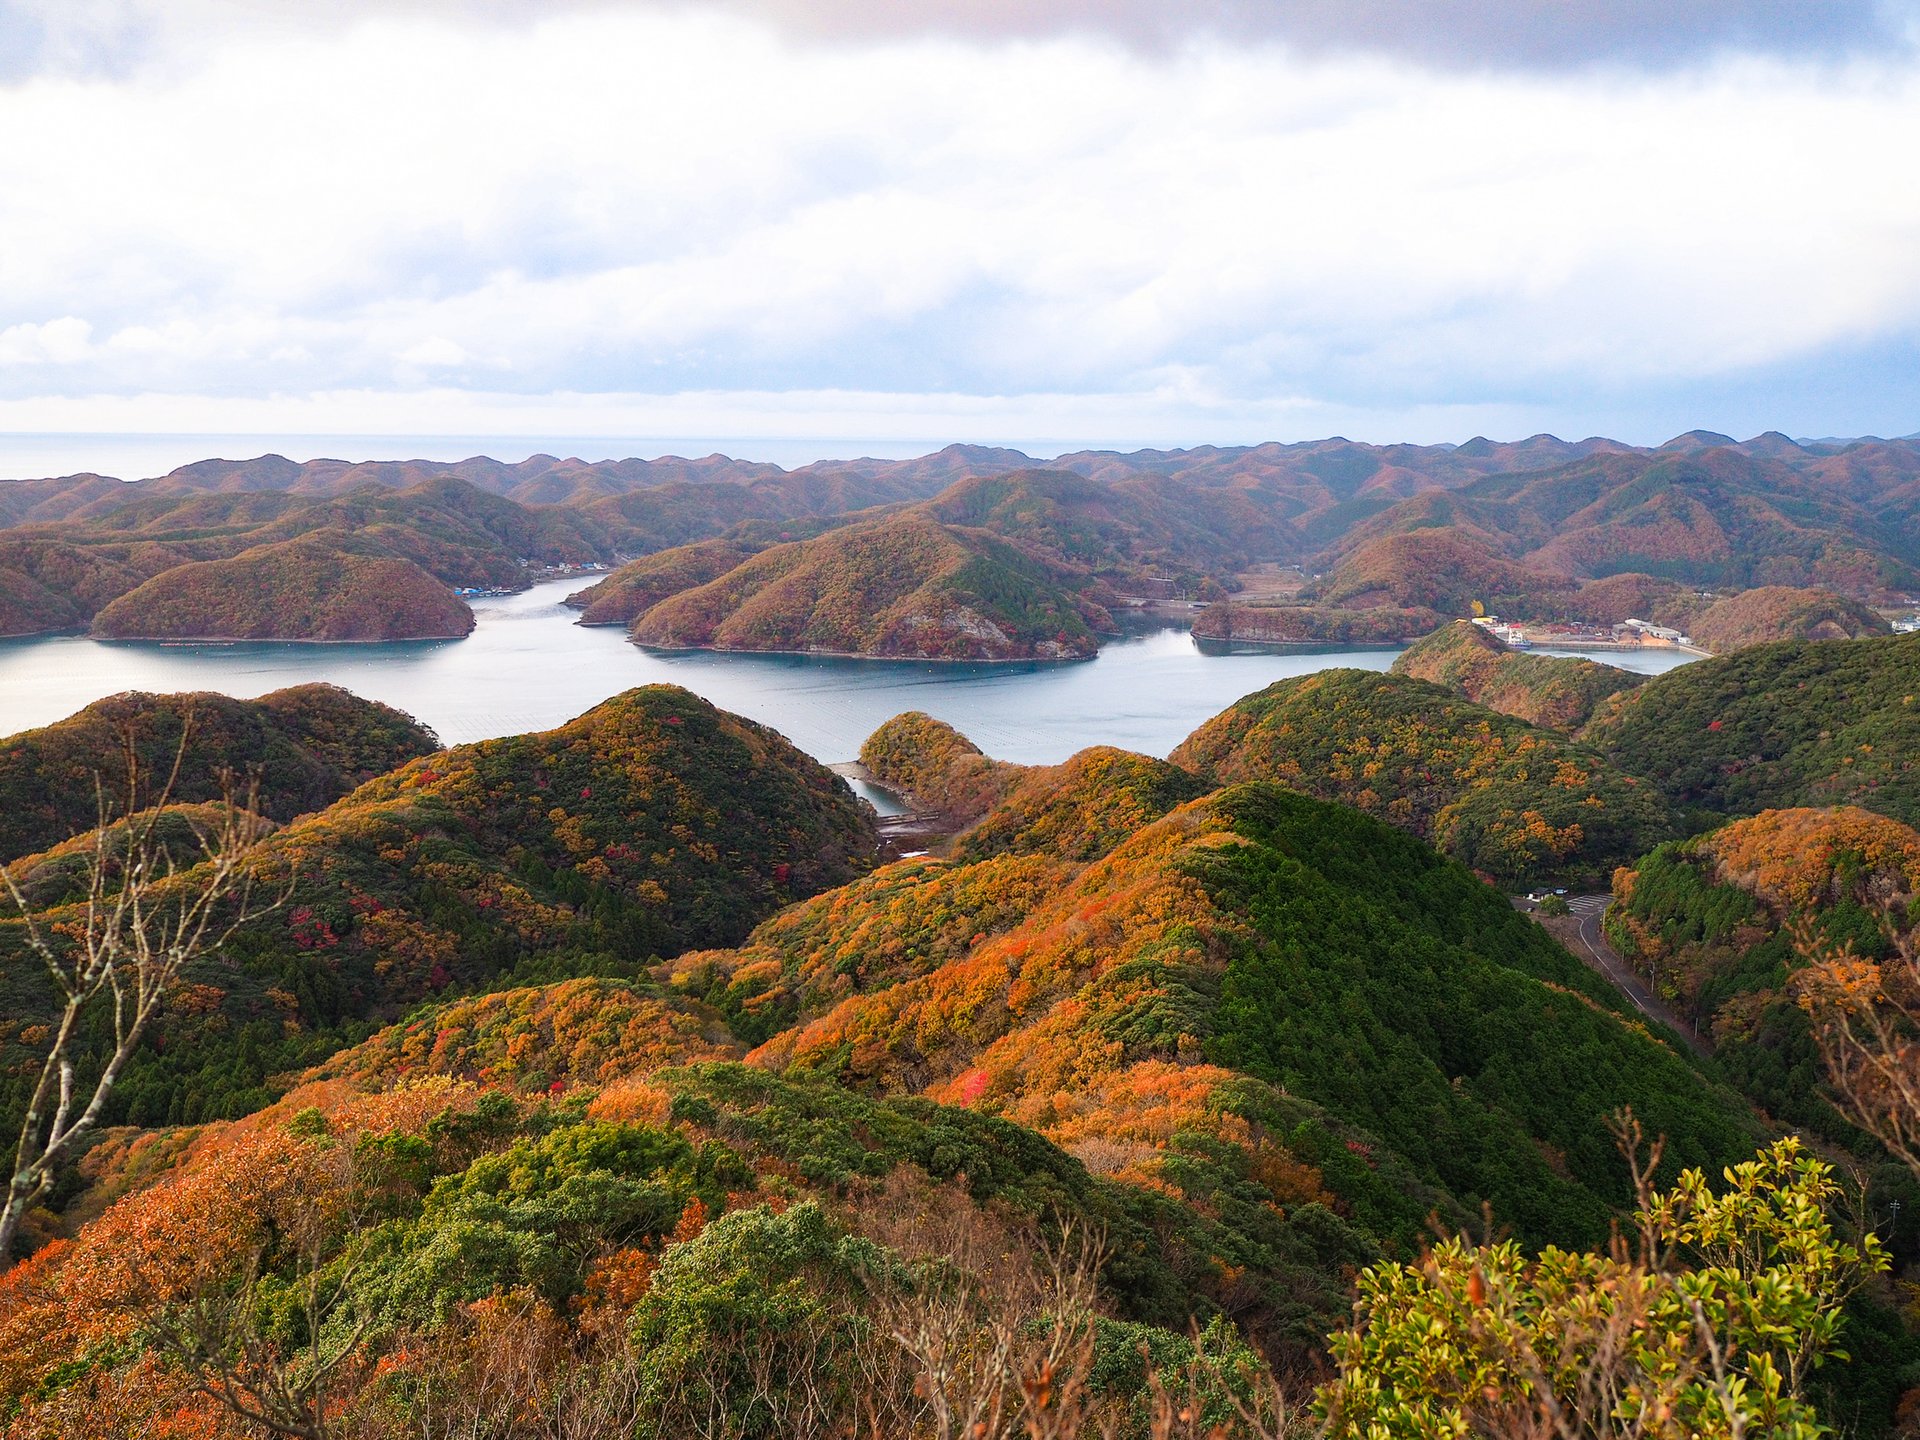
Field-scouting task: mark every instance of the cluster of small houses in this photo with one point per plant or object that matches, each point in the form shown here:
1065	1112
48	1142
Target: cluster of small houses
1628	632
539	572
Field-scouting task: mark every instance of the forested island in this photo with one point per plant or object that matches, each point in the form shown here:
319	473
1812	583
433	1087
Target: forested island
291	591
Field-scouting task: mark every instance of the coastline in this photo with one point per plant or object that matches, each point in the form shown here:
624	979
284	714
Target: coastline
44	634
659	649
1614	647
1304	647
260	639
908	825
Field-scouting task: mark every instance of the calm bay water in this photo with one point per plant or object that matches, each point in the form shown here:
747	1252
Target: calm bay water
1656	661
529	667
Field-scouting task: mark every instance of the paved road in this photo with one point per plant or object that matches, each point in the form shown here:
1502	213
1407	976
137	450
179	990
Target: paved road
1593	947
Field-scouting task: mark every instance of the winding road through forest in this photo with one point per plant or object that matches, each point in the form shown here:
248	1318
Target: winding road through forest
1583	932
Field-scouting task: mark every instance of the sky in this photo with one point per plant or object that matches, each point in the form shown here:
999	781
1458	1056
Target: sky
1050	222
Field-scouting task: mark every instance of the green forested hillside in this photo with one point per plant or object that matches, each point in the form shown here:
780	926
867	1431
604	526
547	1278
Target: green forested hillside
1262	933
618	838
304	747
1523	805
1797	723
1539	689
633	1084
1459	1028
1715	924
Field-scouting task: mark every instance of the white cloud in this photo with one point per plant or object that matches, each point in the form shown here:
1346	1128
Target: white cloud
628	201
81	35
52	342
436	352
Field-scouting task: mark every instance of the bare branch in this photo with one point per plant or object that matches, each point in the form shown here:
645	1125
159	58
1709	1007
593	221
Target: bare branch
116	954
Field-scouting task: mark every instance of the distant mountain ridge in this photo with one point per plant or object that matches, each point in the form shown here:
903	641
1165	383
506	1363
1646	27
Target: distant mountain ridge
1336	462
1701	509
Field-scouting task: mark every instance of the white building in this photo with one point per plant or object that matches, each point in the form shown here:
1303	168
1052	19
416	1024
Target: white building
1656	634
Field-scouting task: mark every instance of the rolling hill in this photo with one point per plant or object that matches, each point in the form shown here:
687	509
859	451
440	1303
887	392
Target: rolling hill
1782	612
1520	804
1517	519
595	848
1554	693
391	554
903	587
1447	570
1123	531
936	767
296	590
57	574
789	1190
48	585
304	747
639	585
1812	722
1227	621
1249	1038
1260	935
1709	515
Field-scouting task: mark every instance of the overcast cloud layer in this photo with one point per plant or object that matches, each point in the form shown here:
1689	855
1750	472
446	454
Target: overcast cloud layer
769	218
81	35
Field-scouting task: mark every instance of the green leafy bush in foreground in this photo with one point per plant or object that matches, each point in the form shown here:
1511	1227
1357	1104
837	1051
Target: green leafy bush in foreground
1712	1327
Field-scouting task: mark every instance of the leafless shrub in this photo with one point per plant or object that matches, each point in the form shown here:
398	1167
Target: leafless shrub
116	954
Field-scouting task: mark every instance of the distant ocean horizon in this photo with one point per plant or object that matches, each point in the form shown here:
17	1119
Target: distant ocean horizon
142	457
